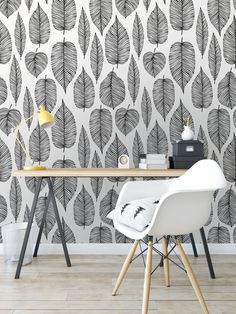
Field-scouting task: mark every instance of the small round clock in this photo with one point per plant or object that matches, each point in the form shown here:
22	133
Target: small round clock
123	161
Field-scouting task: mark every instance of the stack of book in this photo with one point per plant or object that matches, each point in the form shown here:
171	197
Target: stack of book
153	161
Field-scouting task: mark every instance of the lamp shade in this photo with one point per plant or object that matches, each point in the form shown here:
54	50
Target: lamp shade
45	118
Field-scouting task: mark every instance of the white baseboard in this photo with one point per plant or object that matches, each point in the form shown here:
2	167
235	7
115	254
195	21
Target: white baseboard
123	249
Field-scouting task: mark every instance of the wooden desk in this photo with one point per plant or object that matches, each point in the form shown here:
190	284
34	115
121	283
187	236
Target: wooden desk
50	173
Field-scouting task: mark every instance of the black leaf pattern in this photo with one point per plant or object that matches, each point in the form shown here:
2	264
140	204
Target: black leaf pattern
126	7
218	234
229	43
219	13
157	141
137	149
39	27
84	148
3	91
39	145
138	35
227	90
117	45
20	35
126	120
147	4
182	62
8	7
20	156
229	161
46	93
15	198
227	208
124	207
96	182
65	187
218	127
133	79
84	92
202	138
5	44
101	13
181	14
157	27
202	92
50	220
15	79
63	14
29	3
9	119
146	108
5	162
32	182
36	62
202	32
138	211
112	90
120	238
164	96
64	131
84	32
3	209
28	107
84	211
64	62
214	57
96	57
108	203
100	124
100	234
154	63
67	232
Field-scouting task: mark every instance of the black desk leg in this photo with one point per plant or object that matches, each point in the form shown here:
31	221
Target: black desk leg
208	256
28	229
63	241
193	245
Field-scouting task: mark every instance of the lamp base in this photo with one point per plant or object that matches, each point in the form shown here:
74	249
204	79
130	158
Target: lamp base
35	168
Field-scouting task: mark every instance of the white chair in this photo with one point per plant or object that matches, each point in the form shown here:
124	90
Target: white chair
184	207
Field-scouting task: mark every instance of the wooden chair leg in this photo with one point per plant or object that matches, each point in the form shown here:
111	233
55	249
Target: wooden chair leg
166	261
147	278
125	267
192	278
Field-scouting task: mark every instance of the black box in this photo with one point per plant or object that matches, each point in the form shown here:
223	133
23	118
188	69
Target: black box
183	162
188	149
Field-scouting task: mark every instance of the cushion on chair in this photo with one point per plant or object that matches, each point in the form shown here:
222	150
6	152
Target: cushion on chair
135	214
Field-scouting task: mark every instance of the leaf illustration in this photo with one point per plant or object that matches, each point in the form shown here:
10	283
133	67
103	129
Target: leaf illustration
101	13
182	62
108	203
120	238
84	148
234	233
146	107
227	208
63	14
133	79
181	14
229	43
15	79
157	141
96	182
126	7
227	90
137	149
20	156
164	96
138	35
39	145
3	209
28	107
218	234
202	138
9	118
202	32
112	90
147	4
229	161
214	57
100	234
3	91
50	220
36	62
219	13
64	62
5	162
100	124
8	7
138	211
157	27
84	92
39	27
126	120
177	122
20	35
67	232
209	221
117	46
218	127
5	44
96	57
32	182
65	187
84	211
84	32
202	93
15	198
154	63
46	93
29	3
64	131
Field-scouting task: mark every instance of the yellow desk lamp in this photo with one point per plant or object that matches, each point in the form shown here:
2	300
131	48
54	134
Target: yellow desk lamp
45	120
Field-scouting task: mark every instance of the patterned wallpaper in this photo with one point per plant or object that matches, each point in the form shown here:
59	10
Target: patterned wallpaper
119	76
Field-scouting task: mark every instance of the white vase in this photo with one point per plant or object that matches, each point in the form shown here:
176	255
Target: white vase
187	134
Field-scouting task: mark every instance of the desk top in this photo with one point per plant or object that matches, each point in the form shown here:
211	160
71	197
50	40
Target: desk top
99	172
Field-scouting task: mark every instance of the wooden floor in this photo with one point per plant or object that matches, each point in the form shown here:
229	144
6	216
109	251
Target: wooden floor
47	286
